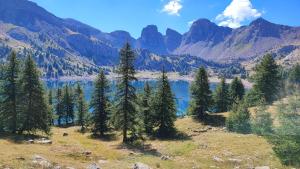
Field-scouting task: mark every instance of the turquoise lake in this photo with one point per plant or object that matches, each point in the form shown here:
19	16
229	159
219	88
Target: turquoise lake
181	90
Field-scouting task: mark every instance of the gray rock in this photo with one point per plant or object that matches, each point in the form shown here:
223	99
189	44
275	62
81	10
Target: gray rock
234	160
44	141
165	157
262	167
218	159
140	166
30	141
41	161
93	166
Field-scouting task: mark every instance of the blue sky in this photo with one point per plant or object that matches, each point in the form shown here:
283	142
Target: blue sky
133	15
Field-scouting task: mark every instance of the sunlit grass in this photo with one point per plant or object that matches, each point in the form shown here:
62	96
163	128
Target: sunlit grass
195	151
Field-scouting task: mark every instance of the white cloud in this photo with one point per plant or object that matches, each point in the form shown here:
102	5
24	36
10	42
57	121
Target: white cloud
236	13
173	7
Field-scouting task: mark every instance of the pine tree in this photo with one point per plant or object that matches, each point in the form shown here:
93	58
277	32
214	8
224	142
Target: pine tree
68	105
35	110
200	94
164	108
126	113
81	108
239	118
221	97
59	107
146	109
266	79
50	103
262	122
294	74
100	104
10	93
236	90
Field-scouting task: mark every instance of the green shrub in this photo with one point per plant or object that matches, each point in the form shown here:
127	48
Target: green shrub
239	118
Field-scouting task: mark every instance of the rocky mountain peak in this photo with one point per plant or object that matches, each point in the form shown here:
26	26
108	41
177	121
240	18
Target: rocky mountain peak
152	40
172	39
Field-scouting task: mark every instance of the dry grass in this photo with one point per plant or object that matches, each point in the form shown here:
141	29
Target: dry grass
196	150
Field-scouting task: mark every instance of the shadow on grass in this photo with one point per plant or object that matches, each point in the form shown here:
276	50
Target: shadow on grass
175	136
215	120
107	137
140	147
20	138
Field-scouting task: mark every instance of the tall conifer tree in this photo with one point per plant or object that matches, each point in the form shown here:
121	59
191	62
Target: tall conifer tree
266	79
200	94
59	107
35	110
81	106
100	104
147	113
10	93
236	90
68	104
164	108
221	97
126	113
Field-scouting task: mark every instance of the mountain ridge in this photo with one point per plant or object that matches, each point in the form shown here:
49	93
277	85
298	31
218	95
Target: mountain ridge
75	44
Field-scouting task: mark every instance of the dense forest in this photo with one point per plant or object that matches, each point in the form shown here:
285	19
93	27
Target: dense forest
27	107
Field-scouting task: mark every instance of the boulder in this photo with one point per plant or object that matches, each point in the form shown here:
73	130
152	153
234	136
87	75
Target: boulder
235	160
41	161
218	159
140	166
44	141
262	167
30	141
165	157
93	166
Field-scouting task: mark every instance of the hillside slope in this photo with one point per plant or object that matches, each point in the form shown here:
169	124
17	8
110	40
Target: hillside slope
212	149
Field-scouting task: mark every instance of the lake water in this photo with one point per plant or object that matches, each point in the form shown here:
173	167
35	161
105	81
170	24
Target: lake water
181	90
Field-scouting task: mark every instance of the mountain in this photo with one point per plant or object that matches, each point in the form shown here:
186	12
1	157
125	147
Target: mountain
152	40
65	47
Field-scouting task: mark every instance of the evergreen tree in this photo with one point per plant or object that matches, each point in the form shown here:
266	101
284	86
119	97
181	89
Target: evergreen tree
100	104
81	108
164	108
10	93
221	97
125	115
236	90
262	123
35	110
266	79
59	107
200	94
239	118
294	74
68	104
146	109
286	139
293	84
50	103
